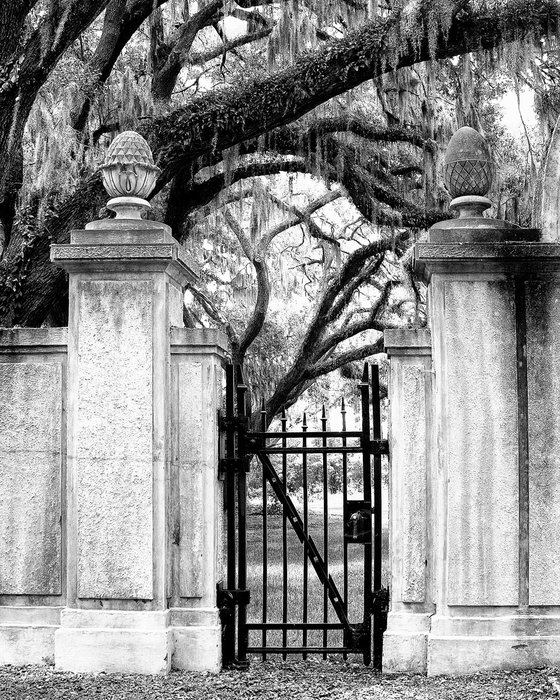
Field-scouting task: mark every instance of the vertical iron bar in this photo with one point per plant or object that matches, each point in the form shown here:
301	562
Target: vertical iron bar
378	620
366	457
344	510
305	527
284	421
325	526
264	539
229	627
242	633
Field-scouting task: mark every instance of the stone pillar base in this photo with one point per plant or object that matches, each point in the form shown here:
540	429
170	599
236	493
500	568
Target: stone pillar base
91	641
467	645
27	635
405	643
198	639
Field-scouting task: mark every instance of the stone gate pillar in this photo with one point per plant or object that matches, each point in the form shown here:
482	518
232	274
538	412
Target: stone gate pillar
411	500
494	310
126	442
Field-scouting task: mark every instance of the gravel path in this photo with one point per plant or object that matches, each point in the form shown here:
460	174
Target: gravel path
277	681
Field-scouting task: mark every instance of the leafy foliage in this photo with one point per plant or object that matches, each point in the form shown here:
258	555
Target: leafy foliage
299	142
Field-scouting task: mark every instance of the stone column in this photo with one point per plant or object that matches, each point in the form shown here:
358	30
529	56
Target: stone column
126	277
410	500
494	300
196	505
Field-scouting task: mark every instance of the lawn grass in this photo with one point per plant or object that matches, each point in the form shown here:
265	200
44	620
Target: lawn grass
295	576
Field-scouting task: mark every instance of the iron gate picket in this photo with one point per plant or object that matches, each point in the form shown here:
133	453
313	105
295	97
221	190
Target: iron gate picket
362	523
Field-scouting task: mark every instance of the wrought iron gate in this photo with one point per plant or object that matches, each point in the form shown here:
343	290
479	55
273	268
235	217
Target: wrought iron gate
361	530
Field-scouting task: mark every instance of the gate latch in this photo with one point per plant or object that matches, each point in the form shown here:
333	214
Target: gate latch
357	525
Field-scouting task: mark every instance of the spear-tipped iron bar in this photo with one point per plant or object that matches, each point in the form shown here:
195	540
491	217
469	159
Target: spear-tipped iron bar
305	527
377	518
325	525
243	410
366	461
229	627
345	514
284	540
264	540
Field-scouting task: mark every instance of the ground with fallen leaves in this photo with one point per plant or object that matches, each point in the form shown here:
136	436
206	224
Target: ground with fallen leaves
279	681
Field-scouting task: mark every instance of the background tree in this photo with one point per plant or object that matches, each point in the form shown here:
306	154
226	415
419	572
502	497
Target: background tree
233	97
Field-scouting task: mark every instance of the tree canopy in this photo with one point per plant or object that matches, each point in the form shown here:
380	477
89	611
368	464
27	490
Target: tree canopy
298	142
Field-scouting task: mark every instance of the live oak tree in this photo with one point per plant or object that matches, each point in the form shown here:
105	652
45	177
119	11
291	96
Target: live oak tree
228	93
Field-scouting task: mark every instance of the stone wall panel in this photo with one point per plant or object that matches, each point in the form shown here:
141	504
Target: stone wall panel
30	478
113	440
481	435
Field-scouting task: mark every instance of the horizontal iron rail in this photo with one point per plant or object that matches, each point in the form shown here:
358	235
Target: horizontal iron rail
302	650
295	626
377	447
311	434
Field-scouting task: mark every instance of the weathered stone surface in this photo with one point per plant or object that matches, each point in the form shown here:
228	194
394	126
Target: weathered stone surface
30	478
176	305
405	643
197	648
472	654
191	479
481	443
543	375
113	440
27	634
413	488
113	650
410	489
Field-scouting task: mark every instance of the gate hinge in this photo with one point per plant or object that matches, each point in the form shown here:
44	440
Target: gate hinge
234	464
228	598
239	423
380	601
379	447
357	638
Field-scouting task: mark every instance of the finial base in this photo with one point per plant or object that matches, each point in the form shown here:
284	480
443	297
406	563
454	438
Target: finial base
470	206
128	207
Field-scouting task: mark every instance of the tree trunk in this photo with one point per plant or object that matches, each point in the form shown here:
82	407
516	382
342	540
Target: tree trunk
221	120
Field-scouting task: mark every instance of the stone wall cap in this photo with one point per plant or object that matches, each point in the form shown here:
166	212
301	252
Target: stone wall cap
493	249
33	337
114	236
507	257
72	256
407	341
195	340
478	232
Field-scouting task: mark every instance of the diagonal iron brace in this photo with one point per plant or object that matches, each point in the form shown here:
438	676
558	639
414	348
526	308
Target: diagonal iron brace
306	539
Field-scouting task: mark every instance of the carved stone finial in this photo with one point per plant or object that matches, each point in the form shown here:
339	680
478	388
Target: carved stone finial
468	172
129	175
468	175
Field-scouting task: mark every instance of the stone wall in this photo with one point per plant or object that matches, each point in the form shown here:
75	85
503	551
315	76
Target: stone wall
32	506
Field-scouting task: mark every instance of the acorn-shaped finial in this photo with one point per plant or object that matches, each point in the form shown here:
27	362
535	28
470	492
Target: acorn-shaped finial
468	172
129	174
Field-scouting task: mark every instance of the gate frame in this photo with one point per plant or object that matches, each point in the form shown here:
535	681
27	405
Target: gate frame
240	446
